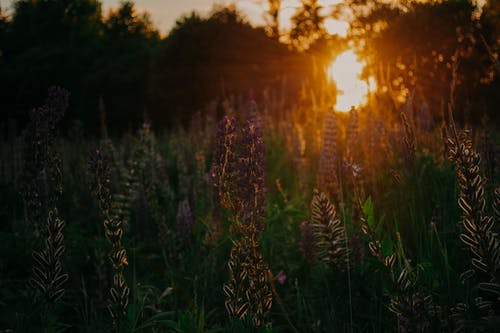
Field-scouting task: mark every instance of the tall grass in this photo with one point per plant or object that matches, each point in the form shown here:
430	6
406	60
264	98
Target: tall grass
211	227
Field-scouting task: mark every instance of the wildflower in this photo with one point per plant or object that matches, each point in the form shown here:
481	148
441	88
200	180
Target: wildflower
281	278
356	170
412	311
48	275
41	176
329	231
327	172
250	188
113	231
240	182
224	160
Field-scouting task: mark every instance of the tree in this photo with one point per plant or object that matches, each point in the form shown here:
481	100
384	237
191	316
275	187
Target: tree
491	37
125	23
47	43
307	25
121	75
216	57
272	18
37	22
4	23
69	43
413	47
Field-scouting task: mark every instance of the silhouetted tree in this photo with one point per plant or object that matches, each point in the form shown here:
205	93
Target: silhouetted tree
217	56
307	25
68	43
412	48
272	18
125	23
491	37
47	43
3	34
121	58
121	77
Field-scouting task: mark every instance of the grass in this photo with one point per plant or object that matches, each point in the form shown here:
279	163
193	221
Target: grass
404	199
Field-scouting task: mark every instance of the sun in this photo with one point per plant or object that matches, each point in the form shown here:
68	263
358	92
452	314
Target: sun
336	27
346	71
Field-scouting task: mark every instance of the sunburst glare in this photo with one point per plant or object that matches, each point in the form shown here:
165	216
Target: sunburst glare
346	71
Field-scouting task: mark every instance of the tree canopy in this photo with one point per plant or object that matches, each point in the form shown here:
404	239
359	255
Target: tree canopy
427	50
119	58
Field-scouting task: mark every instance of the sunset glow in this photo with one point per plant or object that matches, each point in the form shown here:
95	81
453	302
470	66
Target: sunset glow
346	71
336	27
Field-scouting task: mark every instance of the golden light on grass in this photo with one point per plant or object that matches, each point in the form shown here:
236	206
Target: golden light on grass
346	71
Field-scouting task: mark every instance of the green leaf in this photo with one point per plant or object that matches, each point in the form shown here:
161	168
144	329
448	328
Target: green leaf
215	330
132	315
155	320
170	324
387	245
368	212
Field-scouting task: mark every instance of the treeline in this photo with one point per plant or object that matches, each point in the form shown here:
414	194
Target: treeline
433	53
119	63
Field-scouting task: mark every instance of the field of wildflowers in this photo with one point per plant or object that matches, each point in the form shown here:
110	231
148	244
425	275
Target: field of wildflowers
252	219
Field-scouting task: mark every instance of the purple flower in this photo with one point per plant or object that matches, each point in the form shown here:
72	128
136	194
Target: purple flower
41	176
327	169
238	173
250	183
281	277
224	159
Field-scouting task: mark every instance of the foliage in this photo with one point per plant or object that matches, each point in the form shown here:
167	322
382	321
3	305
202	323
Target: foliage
49	277
218	56
113	231
272	18
421	64
329	233
307	25
196	221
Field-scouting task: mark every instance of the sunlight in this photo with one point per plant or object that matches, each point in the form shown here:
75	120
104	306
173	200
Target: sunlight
345	71
336	27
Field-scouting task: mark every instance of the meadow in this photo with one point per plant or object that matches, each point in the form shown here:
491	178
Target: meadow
254	218
227	176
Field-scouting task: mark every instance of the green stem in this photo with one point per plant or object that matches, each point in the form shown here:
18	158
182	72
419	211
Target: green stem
280	303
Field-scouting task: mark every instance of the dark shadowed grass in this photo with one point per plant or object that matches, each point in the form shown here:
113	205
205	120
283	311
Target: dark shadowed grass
178	243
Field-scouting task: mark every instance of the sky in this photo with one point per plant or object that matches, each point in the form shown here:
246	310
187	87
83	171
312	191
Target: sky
164	13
